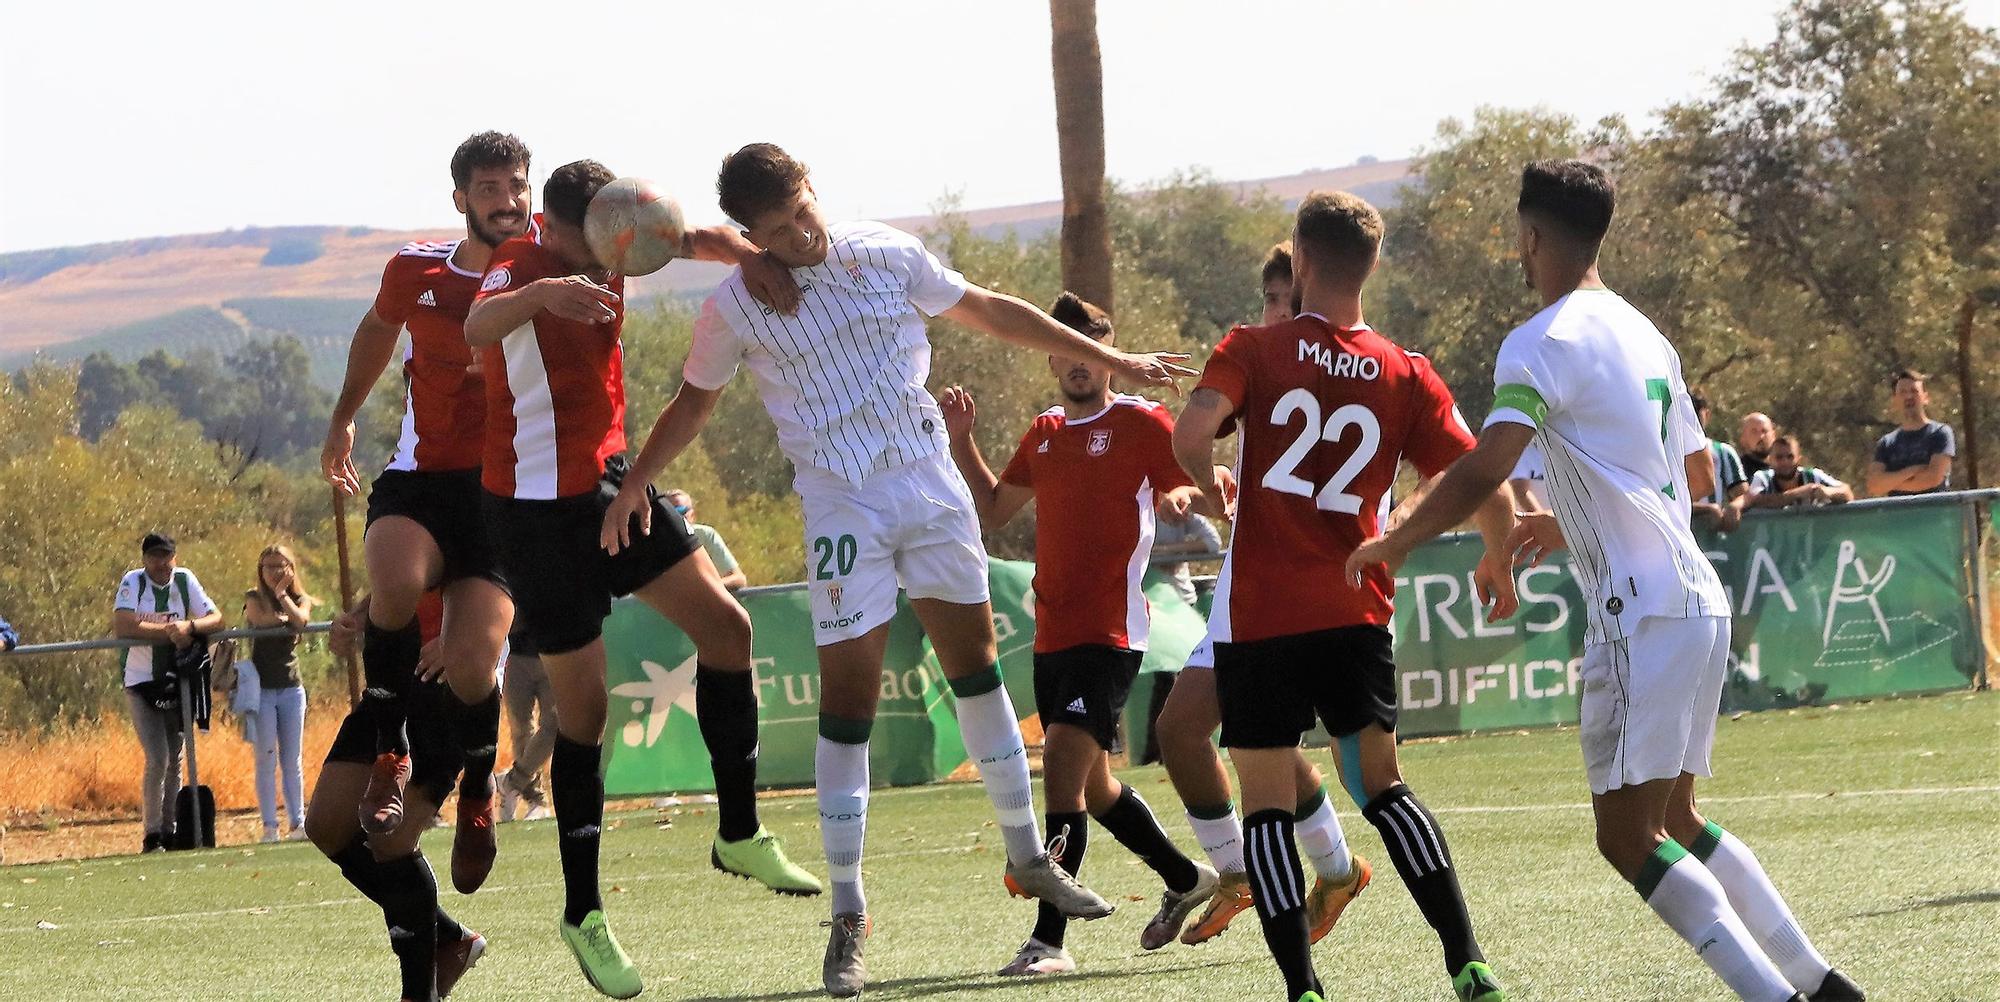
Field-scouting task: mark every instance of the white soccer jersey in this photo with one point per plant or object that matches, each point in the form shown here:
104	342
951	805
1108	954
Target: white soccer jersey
181	597
1534	471
1614	421
844	377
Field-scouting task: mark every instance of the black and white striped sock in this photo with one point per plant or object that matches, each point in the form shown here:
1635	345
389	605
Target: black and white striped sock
1422	858
1272	859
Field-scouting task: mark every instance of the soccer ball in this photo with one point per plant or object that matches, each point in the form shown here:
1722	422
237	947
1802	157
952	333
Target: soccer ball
633	228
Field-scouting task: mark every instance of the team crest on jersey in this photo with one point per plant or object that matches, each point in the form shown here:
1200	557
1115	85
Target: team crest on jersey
1100	442
854	272
498	278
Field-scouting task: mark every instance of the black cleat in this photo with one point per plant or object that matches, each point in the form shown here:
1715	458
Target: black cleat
1838	987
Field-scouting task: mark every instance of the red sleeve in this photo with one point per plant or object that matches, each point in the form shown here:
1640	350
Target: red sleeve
1020	471
397	298
515	263
1227	374
1161	467
1438	433
430	615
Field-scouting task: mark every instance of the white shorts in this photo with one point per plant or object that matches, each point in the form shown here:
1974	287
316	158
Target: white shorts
1650	701
913	524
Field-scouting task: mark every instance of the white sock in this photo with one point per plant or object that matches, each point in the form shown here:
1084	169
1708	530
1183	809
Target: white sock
1324	842
1763	910
993	738
840	778
1222	839
1693	904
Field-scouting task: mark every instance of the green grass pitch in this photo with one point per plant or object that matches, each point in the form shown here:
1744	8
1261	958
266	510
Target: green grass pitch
1880	822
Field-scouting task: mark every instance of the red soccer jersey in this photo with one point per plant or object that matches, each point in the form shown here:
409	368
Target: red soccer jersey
1325	415
555	389
444	398
1095	482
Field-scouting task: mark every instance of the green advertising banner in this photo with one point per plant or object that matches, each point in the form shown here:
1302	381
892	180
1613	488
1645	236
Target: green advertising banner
1832	603
654	745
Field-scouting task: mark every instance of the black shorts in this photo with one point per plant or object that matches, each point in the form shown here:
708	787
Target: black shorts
1085	686
562	580
1272	689
435	759
446	504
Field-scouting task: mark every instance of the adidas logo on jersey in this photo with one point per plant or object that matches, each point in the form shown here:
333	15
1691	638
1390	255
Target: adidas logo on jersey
1044	447
429	298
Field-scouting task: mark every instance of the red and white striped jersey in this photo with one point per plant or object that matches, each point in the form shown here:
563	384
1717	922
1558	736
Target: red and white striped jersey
555	389
444	398
1095	481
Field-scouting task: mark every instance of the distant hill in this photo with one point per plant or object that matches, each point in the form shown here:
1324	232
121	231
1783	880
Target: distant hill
130	297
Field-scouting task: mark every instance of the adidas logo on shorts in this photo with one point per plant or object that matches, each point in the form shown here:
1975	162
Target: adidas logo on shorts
1075	706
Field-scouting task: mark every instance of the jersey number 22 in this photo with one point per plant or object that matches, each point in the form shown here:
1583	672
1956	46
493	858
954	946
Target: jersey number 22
1333	496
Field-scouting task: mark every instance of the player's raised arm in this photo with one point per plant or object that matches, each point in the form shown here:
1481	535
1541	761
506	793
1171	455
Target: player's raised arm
996	501
571	297
1017	321
367	357
1194	443
766	278
1472	483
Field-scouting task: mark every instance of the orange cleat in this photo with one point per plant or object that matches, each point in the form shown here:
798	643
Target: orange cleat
1232	897
1328	899
472	846
381	807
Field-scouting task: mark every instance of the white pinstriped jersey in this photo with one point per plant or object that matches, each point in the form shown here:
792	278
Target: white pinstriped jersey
844	377
1603	388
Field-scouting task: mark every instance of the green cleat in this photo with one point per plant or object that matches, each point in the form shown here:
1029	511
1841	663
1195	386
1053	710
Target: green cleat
1311	997
603	961
1476	983
762	859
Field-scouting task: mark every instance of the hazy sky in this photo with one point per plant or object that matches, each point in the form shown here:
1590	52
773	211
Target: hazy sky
122	120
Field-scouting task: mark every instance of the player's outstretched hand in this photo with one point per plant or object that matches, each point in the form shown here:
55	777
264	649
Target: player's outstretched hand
1372	552
1225	485
574	297
1175	505
346	630
617	532
1493	579
336	460
771	283
960	414
1534	537
1155	368
431	660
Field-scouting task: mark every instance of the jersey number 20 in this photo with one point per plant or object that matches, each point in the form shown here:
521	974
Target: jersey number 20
1333	496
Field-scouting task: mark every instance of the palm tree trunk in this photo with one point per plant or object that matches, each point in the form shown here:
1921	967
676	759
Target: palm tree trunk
1079	81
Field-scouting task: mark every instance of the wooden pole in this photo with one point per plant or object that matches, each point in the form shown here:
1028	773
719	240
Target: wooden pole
1968	395
346	590
1078	71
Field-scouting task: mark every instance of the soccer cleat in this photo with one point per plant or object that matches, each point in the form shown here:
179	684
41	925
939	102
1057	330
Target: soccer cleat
510	796
1329	898
1231	898
454	959
1175	908
842	970
1311	997
603	961
1475	983
472	846
762	859
381	807
1036	957
1838	987
1042	878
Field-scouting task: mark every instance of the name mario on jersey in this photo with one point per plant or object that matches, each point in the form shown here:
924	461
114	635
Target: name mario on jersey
1340	363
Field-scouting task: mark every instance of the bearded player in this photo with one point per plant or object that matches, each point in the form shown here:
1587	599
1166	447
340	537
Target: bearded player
1592	382
1327	408
423	527
547	324
1097	464
844	382
1187	723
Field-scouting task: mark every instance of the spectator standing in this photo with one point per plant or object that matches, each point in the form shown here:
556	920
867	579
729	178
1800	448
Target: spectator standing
162	603
1788	481
9	639
531	728
1754	439
1722	510
711	540
1193	534
1916	457
279	600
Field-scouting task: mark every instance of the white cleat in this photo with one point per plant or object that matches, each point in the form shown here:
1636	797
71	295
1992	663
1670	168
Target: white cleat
1038	958
1042	878
1175	909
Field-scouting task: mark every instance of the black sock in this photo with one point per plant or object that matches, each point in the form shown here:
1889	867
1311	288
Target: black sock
476	727
1272	859
725	705
358	865
1050	925
1132	823
578	790
448	929
410	908
1416	844
389	664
